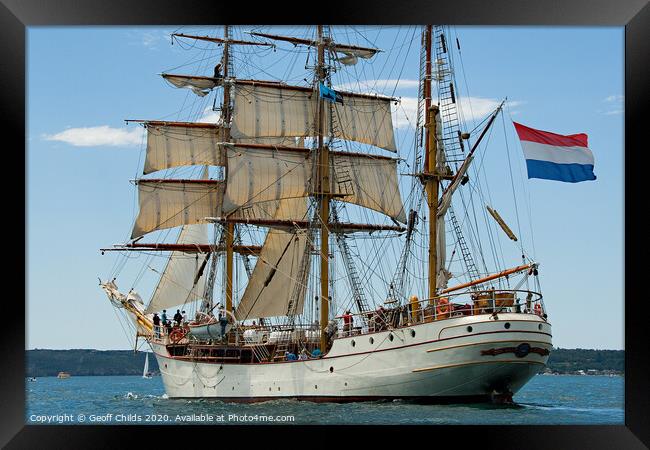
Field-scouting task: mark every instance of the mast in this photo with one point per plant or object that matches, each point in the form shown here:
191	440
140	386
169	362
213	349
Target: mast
430	158
323	188
427	87
225	111
432	196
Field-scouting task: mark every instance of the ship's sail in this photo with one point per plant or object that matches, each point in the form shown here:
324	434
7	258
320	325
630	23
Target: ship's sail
367	181
179	283
264	175
199	85
171	203
272	109
145	371
259	175
182	144
279	277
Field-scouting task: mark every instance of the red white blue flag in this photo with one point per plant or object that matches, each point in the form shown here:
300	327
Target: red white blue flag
552	156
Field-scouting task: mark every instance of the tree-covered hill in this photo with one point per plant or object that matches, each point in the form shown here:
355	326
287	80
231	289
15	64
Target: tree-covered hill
46	363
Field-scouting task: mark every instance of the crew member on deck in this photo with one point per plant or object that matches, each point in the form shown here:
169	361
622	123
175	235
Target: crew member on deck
223	321
347	323
178	317
156	324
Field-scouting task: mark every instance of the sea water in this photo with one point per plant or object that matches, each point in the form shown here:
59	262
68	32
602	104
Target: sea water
119	400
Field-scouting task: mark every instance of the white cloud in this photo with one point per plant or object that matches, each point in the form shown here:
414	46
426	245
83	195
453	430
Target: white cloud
473	108
378	86
614	98
99	136
615	102
148	39
209	116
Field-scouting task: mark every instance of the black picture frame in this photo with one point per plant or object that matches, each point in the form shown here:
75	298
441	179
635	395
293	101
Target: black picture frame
634	15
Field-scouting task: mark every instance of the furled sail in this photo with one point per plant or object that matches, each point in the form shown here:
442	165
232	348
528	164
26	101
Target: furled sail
182	144
352	54
447	195
443	275
259	177
367	181
171	203
272	110
278	278
201	86
177	283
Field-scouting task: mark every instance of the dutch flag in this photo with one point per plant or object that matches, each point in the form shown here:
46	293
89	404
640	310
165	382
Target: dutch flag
551	156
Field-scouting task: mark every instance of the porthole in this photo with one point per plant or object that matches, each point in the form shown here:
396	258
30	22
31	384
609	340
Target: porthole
315	386
539	327
372	341
390	337
165	365
469	329
233	388
346	383
331	369
506	325
353	343
412	333
278	388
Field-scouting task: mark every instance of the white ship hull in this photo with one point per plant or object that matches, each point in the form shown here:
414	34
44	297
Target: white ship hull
442	361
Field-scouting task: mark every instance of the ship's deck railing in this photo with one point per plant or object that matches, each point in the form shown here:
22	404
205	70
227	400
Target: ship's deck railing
248	334
440	308
383	318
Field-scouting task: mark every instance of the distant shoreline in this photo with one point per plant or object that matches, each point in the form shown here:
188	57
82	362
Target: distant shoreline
89	362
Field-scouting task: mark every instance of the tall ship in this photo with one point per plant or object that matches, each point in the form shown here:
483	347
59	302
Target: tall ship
307	254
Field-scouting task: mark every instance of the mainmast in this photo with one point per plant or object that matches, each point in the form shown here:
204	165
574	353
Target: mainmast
226	112
266	118
323	192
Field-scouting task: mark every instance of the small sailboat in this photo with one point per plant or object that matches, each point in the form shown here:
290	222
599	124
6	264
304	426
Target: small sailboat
145	371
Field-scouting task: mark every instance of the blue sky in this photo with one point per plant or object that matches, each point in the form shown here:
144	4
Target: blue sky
83	82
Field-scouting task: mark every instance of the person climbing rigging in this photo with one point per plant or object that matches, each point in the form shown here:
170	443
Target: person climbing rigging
217	71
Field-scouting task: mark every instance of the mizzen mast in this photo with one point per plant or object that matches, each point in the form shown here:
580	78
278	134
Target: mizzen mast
430	176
